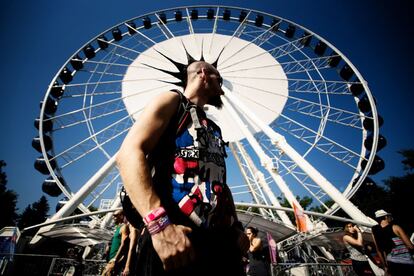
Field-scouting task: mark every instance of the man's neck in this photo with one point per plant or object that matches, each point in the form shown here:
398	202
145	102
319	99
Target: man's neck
194	96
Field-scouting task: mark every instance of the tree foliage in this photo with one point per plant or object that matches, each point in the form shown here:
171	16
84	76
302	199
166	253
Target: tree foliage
34	214
395	196
401	192
8	200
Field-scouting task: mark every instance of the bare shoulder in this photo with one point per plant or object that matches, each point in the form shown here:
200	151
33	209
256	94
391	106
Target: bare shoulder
349	239
168	99
125	228
396	228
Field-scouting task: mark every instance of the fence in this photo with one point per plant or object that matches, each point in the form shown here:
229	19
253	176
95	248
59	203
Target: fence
51	265
334	269
60	266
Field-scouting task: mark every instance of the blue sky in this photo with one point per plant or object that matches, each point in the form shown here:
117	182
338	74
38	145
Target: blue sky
39	36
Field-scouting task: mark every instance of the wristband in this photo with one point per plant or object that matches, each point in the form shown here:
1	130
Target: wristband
154	214
158	225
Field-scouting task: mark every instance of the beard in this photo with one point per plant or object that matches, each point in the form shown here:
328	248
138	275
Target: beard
216	101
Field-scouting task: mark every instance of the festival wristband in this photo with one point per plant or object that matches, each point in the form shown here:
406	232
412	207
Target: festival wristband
158	225
154	214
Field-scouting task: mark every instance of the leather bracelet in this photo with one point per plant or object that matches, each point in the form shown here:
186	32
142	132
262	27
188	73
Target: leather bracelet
158	225
154	214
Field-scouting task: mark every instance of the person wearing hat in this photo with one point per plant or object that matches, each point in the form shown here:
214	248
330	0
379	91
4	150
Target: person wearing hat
393	245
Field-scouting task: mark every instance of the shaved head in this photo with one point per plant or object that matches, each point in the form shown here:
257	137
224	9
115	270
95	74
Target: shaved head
196	68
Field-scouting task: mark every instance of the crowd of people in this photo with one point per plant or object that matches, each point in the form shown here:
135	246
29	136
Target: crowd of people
121	252
393	248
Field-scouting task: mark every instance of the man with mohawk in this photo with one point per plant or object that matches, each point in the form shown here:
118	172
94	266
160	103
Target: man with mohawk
172	163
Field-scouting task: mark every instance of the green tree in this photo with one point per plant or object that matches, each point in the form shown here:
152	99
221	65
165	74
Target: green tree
408	160
8	201
401	191
320	208
34	214
371	197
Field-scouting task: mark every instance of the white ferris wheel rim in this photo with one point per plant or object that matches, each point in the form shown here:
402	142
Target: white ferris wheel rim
349	191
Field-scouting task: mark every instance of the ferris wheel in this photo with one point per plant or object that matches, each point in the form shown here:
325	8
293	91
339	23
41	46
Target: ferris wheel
300	118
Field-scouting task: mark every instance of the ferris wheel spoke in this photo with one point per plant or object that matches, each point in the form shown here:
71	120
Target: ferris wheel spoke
254	41
102	109
82	84
238	32
306	65
75	94
188	20
320	86
74	121
276	52
163	27
309	136
214	30
119	46
320	142
338	115
113	64
111	129
87	146
333	115
249	173
306	86
288	48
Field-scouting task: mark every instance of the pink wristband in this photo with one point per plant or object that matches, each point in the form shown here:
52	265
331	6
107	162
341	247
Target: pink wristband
158	225
154	214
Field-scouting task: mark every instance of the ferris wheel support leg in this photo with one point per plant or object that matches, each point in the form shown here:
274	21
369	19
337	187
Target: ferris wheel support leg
317	177
245	169
259	177
78	198
265	160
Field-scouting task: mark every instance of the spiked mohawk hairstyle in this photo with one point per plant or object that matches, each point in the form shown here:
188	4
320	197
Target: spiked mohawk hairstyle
182	68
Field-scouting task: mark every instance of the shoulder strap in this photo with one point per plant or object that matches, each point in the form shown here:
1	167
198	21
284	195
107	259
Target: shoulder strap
183	110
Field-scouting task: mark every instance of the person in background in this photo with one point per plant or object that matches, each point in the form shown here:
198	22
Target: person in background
129	268
355	245
119	246
258	264
393	245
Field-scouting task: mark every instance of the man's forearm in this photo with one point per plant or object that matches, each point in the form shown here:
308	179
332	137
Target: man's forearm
136	176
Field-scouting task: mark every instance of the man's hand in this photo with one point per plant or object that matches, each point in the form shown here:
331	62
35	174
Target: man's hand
173	246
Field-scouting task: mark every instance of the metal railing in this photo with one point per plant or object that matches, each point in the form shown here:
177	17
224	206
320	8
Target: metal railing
64	266
51	265
334	269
